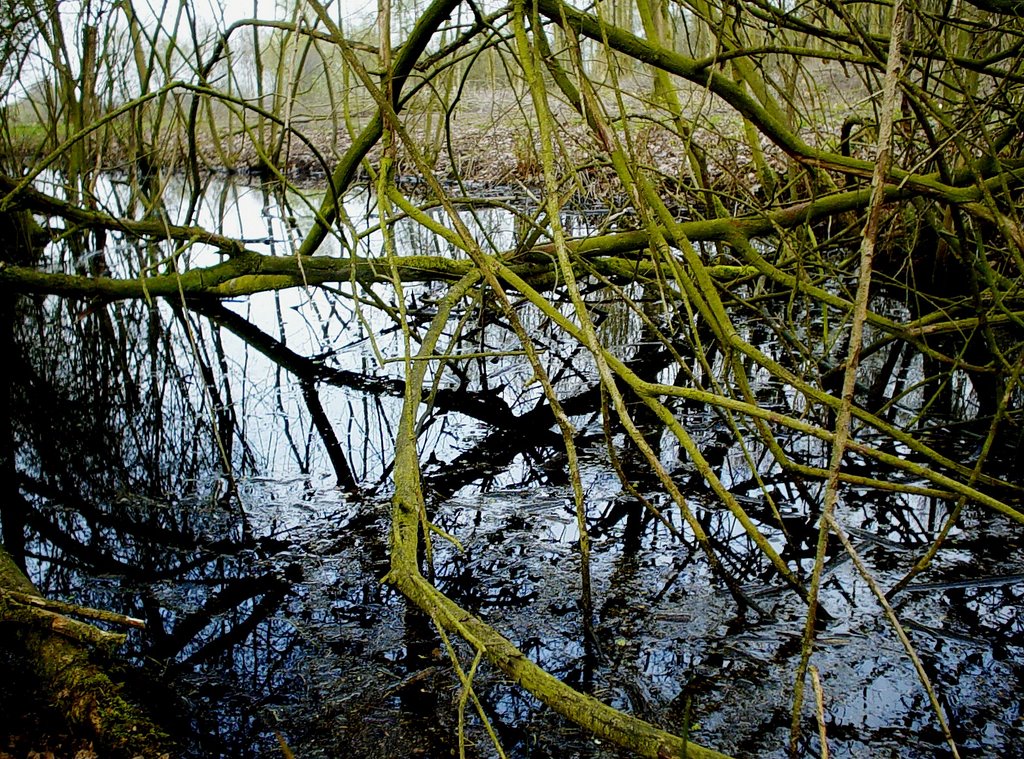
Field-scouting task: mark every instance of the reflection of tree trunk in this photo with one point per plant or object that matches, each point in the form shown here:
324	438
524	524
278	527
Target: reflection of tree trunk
419	697
12	505
346	480
226	428
23	235
80	690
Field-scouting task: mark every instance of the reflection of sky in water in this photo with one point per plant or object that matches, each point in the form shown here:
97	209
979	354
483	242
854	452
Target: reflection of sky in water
329	656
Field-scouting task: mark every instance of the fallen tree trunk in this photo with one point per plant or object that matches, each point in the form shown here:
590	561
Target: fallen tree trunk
58	650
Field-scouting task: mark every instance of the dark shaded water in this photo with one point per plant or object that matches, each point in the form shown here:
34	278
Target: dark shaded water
167	470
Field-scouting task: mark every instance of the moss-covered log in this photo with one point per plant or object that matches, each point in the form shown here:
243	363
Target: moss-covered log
77	686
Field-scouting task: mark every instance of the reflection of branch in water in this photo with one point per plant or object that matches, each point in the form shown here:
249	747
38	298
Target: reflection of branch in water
486	407
491	456
300	457
225	424
531	435
346	480
136	538
234	595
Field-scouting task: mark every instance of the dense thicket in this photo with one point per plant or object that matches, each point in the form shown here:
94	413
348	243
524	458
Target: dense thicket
846	176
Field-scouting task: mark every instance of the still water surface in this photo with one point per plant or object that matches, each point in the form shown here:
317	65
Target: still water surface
260	580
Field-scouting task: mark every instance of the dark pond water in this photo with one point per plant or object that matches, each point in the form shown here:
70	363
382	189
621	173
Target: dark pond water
166	469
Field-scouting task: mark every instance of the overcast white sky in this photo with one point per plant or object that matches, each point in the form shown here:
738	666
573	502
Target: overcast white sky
211	14
233	10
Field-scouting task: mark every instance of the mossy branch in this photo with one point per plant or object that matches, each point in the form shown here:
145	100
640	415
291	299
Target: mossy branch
90	702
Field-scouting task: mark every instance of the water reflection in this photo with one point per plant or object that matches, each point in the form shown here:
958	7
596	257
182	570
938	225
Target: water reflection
221	471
